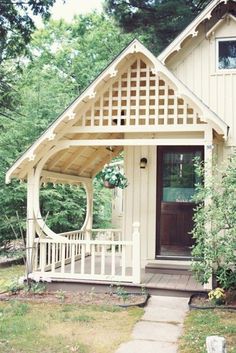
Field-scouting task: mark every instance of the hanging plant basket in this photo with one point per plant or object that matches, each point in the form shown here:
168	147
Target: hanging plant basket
107	185
111	177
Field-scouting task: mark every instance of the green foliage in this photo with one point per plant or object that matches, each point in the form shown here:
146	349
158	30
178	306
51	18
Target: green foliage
19	309
61	295
214	232
16	28
65	206
14	286
83	318
102	206
157	23
36	288
17	25
122	293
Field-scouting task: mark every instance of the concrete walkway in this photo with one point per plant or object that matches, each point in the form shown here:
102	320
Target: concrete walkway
160	327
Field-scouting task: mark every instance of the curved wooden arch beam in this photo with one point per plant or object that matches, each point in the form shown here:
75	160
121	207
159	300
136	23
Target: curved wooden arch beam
36	201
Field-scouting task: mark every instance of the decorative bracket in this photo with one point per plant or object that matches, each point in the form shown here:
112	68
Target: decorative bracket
31	157
71	115
51	136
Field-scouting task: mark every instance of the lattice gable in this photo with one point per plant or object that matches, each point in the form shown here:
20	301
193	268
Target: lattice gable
136	92
138	97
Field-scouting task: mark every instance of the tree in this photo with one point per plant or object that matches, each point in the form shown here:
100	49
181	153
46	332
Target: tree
16	28
214	252
17	25
158	21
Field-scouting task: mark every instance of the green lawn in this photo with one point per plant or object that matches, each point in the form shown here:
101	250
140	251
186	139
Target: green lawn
202	323
62	328
33	327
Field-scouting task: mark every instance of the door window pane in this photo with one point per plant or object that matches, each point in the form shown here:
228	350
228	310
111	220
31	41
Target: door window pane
179	176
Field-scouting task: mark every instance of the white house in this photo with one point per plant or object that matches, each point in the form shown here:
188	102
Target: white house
168	110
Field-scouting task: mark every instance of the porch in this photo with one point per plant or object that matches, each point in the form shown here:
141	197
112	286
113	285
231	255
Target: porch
101	258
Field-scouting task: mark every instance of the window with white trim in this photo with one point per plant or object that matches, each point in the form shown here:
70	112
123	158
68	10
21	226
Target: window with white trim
226	54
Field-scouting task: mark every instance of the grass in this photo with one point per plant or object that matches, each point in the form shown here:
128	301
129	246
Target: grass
200	324
31	327
8	274
63	328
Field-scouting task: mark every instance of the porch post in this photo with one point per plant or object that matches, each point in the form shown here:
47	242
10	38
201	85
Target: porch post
208	154
30	226
89	223
136	253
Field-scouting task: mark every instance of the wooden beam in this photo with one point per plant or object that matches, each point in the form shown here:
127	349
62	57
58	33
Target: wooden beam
64	177
140	128
133	142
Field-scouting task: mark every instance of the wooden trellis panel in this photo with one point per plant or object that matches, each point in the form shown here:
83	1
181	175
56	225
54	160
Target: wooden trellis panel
138	97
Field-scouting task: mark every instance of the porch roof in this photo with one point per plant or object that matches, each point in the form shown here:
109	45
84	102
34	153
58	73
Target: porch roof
136	93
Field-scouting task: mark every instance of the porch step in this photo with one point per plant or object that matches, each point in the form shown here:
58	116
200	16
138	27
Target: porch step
169	267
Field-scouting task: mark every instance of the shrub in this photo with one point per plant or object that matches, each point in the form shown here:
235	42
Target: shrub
214	252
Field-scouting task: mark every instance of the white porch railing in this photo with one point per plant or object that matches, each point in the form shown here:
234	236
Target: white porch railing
97	254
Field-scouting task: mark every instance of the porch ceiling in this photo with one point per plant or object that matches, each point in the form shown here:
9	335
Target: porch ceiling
83	161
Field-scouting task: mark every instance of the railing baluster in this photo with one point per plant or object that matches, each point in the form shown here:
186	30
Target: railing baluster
48	253
113	260
123	260
63	257
43	256
72	258
103	260
53	257
36	249
82	258
92	259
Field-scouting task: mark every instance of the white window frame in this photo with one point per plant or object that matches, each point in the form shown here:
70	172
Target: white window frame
218	40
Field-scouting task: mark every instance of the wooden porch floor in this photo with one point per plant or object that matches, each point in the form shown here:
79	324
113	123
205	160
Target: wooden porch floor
151	281
171	282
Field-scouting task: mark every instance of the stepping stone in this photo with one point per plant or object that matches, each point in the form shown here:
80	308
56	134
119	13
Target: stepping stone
163	332
147	347
164	315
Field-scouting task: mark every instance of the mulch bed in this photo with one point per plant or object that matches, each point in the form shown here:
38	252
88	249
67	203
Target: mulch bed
79	298
200	301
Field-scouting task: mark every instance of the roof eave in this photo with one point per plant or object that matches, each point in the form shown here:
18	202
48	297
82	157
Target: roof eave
189	30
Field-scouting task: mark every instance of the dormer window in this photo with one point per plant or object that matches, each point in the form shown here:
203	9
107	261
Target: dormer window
226	54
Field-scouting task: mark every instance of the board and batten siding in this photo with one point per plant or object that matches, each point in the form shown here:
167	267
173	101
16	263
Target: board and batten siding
196	67
140	198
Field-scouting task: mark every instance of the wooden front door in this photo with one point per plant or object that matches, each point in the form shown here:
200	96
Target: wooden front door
176	185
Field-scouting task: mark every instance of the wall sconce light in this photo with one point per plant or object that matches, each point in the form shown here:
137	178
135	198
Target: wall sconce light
143	163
